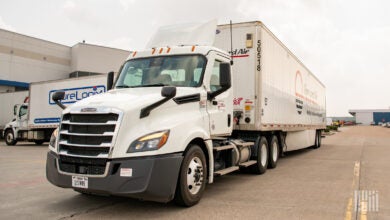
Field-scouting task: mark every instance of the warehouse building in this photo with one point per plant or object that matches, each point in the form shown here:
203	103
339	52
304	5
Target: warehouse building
371	116
25	59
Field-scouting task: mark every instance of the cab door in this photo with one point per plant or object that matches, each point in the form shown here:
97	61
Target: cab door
22	117
220	107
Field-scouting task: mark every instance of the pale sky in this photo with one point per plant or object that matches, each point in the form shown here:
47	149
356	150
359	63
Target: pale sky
343	42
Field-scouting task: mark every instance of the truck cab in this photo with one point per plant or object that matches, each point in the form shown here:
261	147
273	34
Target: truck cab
17	125
18	130
150	137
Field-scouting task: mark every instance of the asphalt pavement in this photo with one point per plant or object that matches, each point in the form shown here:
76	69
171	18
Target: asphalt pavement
325	183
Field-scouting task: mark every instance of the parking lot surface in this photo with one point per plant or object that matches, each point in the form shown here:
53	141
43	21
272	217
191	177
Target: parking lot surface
307	184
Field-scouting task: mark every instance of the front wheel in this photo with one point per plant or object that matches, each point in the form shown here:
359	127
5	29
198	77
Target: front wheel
192	177
10	138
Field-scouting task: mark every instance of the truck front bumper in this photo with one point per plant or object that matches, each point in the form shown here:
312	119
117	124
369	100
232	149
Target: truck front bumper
152	178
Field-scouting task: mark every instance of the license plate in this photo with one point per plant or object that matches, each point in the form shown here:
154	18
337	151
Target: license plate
80	182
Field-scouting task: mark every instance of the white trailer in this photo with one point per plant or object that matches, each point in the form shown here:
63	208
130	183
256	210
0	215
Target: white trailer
180	114
36	119
273	90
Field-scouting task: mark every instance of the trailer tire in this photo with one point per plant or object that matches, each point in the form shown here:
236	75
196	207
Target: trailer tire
10	138
39	142
273	152
262	157
193	172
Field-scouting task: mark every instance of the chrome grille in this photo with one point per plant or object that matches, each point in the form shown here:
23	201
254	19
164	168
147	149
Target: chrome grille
85	137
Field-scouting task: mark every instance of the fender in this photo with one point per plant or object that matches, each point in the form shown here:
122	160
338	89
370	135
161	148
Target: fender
204	135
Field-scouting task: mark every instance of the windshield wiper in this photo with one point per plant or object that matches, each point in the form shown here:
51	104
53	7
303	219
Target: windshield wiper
122	86
149	85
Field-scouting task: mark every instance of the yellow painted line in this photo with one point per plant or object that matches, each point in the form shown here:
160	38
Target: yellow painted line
356	173
363	211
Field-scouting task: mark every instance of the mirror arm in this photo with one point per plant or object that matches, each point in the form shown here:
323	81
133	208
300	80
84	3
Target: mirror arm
60	104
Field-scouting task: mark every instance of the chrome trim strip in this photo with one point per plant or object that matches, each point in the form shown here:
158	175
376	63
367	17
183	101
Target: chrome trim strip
85	145
105	134
100	156
85	123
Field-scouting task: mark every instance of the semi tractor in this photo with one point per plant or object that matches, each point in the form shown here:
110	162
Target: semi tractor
182	112
36	118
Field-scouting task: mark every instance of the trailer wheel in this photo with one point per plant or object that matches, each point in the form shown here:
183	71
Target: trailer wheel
10	137
192	177
262	157
273	152
39	142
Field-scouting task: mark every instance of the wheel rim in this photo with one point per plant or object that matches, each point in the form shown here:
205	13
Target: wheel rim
194	175
263	154
275	151
10	137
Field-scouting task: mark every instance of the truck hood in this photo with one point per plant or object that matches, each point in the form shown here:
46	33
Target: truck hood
131	98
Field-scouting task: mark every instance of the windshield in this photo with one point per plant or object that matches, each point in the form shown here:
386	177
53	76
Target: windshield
181	71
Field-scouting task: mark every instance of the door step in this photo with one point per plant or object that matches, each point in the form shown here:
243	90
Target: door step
224	147
226	171
248	163
242	143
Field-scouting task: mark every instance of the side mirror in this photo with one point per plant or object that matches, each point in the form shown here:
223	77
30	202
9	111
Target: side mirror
168	92
57	97
225	76
110	80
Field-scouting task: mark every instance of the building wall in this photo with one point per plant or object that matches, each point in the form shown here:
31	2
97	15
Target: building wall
97	59
364	118
27	59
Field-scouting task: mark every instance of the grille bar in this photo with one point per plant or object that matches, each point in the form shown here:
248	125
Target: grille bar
84	145
89	123
66	132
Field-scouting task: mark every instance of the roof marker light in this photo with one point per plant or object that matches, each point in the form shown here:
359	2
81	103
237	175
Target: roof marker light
161	50
153	50
169	49
193	48
135	52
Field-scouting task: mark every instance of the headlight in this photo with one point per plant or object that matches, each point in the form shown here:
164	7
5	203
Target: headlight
153	141
53	138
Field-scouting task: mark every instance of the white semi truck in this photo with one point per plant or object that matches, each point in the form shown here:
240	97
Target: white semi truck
36	118
179	114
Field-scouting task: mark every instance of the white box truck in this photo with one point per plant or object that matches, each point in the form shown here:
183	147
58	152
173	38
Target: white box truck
36	119
178	115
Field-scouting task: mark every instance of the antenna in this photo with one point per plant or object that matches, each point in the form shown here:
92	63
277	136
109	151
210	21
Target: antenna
231	43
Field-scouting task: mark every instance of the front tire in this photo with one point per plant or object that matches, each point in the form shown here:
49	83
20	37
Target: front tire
192	177
10	138
262	157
